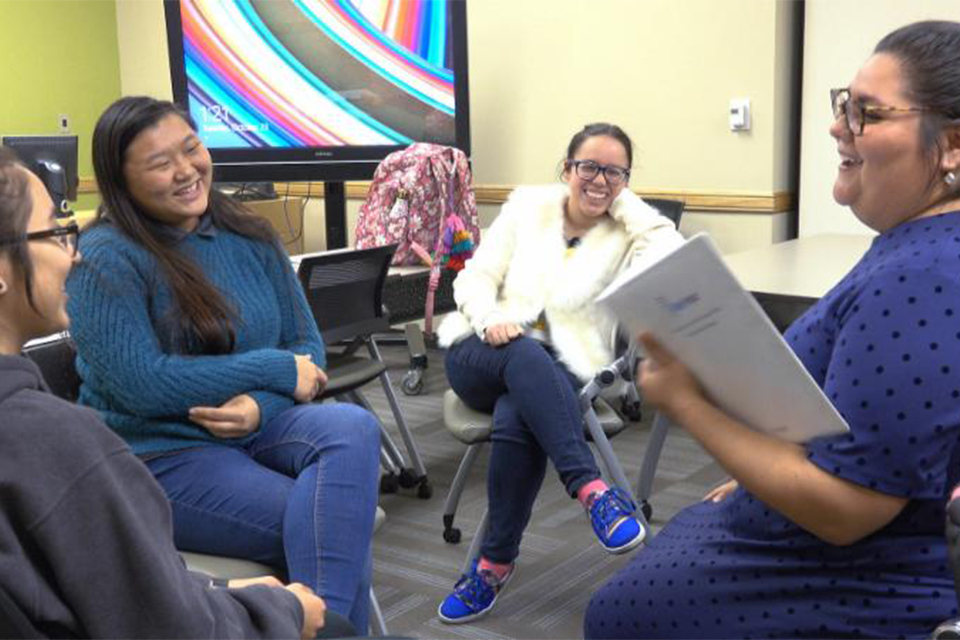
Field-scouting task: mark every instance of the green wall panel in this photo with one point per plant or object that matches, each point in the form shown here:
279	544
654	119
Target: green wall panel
58	57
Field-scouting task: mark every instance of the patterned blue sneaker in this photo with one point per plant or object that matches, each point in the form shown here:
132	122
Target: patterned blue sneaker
613	516
474	595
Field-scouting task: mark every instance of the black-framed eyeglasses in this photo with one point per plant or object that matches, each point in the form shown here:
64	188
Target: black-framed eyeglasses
66	236
588	170
857	113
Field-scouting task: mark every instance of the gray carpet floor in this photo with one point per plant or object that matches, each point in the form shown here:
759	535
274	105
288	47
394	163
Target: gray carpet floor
560	564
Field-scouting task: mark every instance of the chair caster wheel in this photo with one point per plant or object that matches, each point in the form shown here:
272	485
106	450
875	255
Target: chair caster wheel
409	479
412	383
452	536
389	483
647	509
424	491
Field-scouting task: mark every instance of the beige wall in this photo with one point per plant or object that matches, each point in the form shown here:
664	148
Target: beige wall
833	52
665	70
662	69
141	36
58	58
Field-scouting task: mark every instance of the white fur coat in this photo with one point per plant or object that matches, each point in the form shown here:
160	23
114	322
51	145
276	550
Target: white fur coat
522	267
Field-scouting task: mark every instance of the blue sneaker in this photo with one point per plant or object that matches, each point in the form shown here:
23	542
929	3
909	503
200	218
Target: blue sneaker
473	597
613	516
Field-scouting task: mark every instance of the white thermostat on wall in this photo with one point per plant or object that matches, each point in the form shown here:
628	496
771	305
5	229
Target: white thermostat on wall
739	114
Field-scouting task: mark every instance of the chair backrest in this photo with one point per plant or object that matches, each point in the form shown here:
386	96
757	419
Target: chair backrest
56	359
345	291
672	209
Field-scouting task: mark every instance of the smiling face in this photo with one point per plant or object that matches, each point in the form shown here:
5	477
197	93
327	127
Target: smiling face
168	172
51	261
884	174
591	199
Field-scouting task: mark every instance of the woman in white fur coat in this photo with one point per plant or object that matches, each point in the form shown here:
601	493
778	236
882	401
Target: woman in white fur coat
528	335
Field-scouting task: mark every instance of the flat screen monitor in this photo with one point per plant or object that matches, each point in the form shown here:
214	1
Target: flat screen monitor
318	89
54	160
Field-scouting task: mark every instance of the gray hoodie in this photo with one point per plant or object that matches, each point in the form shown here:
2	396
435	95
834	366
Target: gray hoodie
86	540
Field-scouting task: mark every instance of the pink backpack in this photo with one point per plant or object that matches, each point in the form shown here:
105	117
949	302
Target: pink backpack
422	199
413	193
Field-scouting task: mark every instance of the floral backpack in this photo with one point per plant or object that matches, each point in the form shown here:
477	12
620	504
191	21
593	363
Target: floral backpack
422	199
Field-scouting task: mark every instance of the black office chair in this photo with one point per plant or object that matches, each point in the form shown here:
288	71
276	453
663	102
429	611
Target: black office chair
345	291
56	359
672	209
950	629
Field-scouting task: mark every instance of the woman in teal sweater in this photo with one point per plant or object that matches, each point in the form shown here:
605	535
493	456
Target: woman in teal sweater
197	346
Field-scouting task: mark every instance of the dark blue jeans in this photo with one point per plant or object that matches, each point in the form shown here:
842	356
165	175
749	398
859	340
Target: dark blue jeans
536	416
301	497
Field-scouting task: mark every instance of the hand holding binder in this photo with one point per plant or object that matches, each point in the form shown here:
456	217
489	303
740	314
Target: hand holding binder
693	305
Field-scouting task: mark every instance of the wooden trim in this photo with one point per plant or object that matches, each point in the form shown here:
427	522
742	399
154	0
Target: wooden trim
87	186
494	194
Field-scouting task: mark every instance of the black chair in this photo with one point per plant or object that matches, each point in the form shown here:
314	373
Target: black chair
672	209
950	629
56	357
344	289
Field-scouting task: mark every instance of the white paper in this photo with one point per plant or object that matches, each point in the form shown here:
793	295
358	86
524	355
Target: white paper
691	302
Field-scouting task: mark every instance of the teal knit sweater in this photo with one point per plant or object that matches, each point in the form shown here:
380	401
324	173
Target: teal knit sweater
131	361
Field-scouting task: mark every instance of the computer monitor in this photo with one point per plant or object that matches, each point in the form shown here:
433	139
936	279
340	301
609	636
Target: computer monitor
54	160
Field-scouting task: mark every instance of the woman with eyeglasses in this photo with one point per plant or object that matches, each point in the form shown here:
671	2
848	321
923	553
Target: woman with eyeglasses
842	536
196	344
84	528
528	336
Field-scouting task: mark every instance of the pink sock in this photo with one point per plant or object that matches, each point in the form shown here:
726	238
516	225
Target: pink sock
597	486
499	570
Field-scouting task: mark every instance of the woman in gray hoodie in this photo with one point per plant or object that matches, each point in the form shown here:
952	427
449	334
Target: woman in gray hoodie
86	543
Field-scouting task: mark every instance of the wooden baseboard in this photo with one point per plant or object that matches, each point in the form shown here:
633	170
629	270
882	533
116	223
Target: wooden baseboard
492	194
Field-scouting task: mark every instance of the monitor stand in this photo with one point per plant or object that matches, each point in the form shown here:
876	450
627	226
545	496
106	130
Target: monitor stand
335	214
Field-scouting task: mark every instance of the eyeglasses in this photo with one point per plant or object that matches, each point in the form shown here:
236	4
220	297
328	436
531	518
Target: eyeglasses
588	170
858	113
66	236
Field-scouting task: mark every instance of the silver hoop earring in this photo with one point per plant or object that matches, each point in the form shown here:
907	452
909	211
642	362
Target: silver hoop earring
950	178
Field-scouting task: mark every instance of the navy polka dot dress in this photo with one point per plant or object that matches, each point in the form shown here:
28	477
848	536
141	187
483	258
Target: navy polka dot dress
884	345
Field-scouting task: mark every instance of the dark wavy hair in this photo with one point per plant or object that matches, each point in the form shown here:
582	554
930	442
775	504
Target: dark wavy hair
206	320
929	55
15	207
599	129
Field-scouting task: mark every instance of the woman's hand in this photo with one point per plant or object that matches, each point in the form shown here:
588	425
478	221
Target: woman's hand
314	609
311	379
500	334
240	583
235	418
720	492
663	380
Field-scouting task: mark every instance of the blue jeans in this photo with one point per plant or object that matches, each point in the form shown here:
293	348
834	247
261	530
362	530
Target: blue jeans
301	497
536	416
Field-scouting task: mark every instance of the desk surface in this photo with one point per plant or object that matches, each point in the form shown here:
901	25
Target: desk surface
803	268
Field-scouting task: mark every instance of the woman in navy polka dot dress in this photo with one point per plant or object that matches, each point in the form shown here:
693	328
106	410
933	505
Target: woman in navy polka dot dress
843	536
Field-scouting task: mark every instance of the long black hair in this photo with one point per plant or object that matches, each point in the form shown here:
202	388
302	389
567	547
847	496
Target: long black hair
205	318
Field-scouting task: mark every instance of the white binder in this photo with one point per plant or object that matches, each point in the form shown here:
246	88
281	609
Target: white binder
691	302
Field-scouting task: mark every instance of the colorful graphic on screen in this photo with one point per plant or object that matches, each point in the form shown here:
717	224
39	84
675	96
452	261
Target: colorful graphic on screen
315	73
